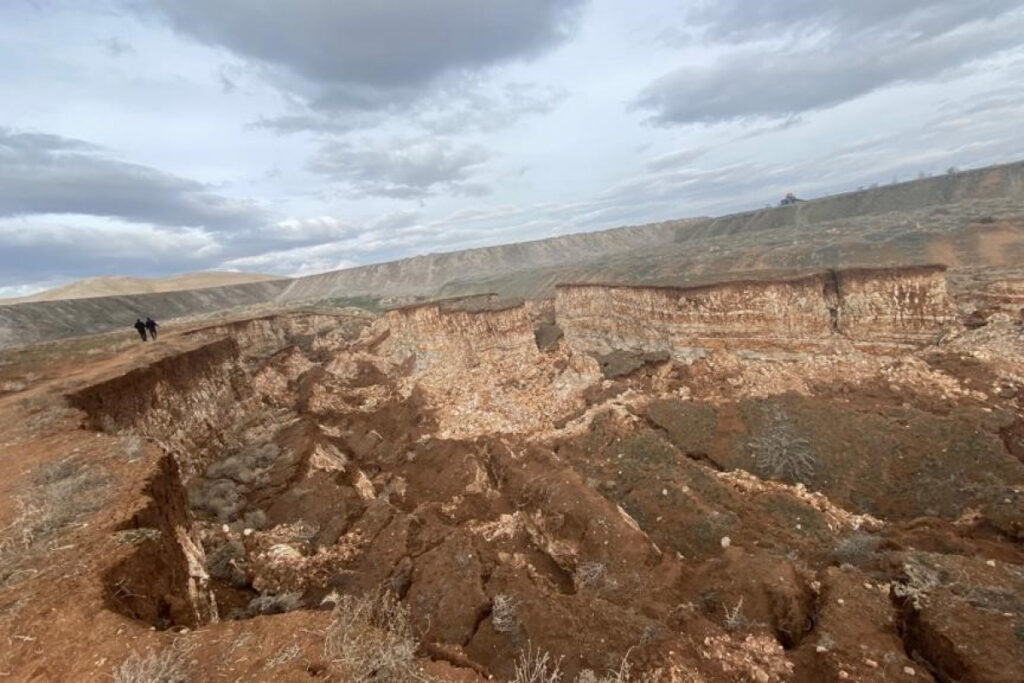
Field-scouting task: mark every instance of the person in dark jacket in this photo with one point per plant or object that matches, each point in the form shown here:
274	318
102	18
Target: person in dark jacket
141	327
151	326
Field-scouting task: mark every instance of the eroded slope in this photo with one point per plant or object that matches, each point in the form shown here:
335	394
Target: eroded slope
826	485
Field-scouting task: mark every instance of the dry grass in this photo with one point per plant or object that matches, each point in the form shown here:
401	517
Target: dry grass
372	639
735	620
538	666
503	613
274	604
131	446
165	666
60	493
778	453
589	574
42	419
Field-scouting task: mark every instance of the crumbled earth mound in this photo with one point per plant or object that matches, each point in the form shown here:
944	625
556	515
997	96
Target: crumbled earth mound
818	479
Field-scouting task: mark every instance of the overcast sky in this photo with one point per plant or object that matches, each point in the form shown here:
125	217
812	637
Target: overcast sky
154	137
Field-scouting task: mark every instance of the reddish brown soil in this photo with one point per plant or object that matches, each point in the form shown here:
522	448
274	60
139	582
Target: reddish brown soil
634	536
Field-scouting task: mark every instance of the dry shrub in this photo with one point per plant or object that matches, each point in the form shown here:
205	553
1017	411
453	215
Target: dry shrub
166	666
131	446
274	604
223	559
44	419
60	493
537	666
372	639
589	574
221	498
221	492
249	467
856	549
778	453
56	499
503	613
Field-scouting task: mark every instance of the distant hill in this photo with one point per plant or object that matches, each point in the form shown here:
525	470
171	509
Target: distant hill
967	220
121	285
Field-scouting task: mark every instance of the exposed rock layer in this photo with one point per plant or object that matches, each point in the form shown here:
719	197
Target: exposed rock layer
876	307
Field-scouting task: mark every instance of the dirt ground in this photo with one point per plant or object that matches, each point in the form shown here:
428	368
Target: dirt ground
299	496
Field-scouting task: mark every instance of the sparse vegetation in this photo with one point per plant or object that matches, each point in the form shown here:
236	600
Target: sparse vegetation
45	416
372	639
537	666
283	656
735	620
131	446
165	666
778	453
856	548
222	559
274	604
589	574
624	674
503	613
221	492
137	536
60	493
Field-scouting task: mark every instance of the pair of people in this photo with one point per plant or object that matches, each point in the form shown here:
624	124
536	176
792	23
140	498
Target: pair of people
150	326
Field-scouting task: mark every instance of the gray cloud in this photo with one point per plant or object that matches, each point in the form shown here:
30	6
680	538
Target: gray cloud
402	169
370	54
784	58
115	47
743	20
49	174
468	106
34	250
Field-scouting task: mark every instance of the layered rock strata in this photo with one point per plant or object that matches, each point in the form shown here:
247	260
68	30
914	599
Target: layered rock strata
881	307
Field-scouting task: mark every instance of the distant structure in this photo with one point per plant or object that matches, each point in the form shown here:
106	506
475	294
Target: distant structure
790	198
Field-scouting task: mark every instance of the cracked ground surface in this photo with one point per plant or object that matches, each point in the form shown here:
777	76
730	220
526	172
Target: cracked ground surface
825	515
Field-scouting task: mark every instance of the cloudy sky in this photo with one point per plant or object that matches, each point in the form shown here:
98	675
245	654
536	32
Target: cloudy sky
153	137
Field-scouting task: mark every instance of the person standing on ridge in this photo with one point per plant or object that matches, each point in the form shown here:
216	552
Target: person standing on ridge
151	326
141	327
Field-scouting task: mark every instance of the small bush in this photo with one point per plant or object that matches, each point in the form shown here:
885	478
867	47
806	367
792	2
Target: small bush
503	613
779	454
221	498
735	620
42	420
855	549
247	467
222	560
371	639
274	604
60	493
589	574
131	446
537	666
166	666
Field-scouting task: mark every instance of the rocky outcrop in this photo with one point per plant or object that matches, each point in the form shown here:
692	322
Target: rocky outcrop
445	329
454	357
871	307
893	305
